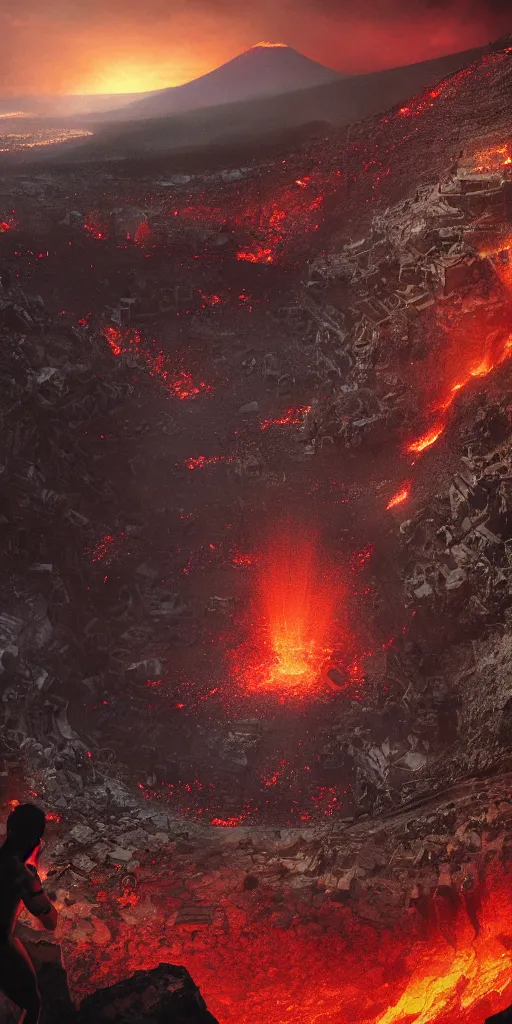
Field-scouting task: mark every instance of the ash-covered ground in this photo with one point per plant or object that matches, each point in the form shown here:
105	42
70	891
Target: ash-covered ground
255	599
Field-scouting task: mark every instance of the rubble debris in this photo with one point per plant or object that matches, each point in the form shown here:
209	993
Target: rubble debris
418	253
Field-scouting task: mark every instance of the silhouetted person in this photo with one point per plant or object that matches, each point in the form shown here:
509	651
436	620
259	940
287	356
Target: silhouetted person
20	883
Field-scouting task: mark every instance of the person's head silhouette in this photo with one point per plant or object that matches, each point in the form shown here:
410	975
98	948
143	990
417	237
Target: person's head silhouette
25	829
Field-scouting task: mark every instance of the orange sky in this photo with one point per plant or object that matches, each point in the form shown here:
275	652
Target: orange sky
97	46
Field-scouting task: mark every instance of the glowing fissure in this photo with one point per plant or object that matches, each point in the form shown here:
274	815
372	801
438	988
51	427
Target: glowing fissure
399	497
497	353
426	441
292	417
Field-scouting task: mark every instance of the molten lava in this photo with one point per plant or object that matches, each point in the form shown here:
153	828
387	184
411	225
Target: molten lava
401	972
399	497
269	46
481	369
294	621
428	439
500	256
495	159
260	255
489	352
292	417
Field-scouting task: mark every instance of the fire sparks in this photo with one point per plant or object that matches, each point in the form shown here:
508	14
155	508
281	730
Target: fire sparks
294	623
399	497
293	416
106	548
4	226
428	439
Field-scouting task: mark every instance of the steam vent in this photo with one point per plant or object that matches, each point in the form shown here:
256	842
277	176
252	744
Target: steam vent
256	565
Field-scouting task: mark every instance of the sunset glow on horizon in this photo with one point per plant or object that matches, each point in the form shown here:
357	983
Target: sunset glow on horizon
112	48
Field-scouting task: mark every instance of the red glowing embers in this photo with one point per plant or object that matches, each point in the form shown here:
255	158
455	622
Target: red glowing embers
260	255
495	159
142	233
288	650
202	460
95	225
292	417
179	382
102	548
115	339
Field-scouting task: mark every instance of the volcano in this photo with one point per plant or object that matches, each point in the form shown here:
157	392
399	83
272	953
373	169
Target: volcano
267	69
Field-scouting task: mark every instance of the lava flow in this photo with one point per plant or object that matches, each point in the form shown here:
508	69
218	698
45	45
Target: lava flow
491	352
426	441
399	497
293	623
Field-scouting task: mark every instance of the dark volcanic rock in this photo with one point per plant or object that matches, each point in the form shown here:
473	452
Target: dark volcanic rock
505	1017
165	995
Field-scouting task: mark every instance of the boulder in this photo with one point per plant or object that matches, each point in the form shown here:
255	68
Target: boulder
165	995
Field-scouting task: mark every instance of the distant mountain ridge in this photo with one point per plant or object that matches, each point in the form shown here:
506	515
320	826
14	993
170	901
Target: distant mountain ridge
267	69
66	105
246	124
